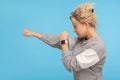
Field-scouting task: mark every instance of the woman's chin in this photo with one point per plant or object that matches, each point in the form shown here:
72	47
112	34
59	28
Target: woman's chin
80	36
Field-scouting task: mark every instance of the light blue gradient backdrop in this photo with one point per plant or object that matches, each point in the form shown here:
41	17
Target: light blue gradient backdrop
23	58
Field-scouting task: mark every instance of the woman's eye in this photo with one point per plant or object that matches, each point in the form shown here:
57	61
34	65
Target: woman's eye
74	26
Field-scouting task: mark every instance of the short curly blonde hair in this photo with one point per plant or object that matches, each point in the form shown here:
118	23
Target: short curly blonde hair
85	13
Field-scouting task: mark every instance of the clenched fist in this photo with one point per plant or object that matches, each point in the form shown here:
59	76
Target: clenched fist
64	36
27	33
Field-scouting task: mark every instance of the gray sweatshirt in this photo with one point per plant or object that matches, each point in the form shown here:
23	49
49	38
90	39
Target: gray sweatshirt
87	59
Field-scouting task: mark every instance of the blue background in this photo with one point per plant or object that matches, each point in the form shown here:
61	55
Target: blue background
28	58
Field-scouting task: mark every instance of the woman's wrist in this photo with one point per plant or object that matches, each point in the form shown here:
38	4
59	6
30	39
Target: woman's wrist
33	34
64	47
38	35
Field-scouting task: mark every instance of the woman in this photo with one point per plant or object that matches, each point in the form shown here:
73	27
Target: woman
88	48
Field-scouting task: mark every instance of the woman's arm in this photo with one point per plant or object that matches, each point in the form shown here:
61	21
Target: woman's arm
69	60
29	33
51	40
48	39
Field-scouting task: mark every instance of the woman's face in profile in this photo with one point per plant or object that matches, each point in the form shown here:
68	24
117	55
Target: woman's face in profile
79	28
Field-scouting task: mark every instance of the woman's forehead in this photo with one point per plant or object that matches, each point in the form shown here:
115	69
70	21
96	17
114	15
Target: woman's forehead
74	20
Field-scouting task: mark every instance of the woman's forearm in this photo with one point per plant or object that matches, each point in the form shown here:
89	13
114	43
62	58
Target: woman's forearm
65	47
37	35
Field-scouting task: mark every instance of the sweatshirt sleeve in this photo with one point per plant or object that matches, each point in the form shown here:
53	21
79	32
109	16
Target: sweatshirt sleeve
55	42
70	61
84	60
51	40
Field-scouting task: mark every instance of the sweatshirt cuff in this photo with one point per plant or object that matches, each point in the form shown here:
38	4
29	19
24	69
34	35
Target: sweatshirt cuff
42	38
65	53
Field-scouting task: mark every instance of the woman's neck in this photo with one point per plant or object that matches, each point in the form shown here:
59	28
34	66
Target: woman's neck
91	33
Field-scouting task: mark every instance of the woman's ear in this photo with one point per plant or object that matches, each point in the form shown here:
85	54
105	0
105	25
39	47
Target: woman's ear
86	25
